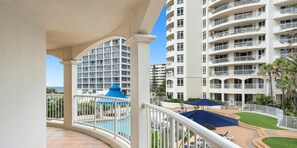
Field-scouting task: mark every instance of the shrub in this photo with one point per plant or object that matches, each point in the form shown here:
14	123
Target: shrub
209	126
175	100
192	99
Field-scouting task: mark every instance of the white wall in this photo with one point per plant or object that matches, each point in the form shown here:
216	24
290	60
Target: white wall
22	80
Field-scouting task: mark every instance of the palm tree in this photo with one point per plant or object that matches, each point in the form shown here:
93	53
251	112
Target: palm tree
267	69
283	83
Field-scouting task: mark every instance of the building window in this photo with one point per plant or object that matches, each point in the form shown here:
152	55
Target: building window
180	69
204	58
204	70
180	82
204	35
204	11
204	81
204	47
204	23
180	46
180	34
180	1
204	2
180	58
180	23
204	95
180	11
180	95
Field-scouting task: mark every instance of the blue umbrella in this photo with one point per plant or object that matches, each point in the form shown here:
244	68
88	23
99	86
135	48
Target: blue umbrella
114	91
204	102
208	118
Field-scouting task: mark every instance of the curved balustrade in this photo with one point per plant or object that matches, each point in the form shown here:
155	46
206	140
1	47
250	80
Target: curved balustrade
109	114
289	10
288	25
55	107
235	72
169	129
233	4
234	18
235	31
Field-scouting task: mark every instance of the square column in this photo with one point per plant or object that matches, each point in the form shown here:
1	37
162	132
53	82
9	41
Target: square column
70	89
140	87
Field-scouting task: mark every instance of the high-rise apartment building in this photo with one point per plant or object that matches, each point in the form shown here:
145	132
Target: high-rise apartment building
235	38
157	72
105	65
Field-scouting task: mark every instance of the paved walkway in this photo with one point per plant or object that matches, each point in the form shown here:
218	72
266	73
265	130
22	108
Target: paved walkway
60	138
244	137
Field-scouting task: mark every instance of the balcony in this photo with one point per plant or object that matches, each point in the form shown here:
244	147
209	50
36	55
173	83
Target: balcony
286	42
170	65
230	34
234	72
170	23
237	46
113	116
237	59
169	3
170	12
286	13
236	19
170	34
232	5
170	45
170	55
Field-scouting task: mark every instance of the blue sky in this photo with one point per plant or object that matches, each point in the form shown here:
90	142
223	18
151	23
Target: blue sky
54	70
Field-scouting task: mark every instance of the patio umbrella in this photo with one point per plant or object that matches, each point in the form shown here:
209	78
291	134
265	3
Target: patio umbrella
204	102
208	118
114	91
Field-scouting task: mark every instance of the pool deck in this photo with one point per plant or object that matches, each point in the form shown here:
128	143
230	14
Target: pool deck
61	138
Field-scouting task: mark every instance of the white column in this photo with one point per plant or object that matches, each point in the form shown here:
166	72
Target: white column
140	88
242	103
70	89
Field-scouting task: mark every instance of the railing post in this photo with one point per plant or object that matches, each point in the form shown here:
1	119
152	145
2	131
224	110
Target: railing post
115	118
95	113
172	133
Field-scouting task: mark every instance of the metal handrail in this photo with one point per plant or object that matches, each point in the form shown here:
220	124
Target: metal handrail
211	137
233	4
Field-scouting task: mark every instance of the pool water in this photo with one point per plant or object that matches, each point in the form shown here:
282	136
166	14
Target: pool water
123	126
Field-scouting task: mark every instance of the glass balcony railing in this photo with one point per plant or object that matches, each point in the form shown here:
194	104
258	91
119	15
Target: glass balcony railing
288	25
289	10
233	4
235	18
235	31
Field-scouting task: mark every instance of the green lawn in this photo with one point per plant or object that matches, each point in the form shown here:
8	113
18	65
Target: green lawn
258	120
279	142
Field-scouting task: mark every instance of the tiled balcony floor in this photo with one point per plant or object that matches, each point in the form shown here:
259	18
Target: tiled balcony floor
60	138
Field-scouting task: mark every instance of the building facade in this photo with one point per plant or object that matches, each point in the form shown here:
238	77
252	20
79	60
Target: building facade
157	72
103	66
235	39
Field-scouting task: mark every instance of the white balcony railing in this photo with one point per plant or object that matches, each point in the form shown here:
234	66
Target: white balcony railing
245	58
238	45
288	25
55	107
233	86
109	114
169	129
220	47
233	4
215	85
220	60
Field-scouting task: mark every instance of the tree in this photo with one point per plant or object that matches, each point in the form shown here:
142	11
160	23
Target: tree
154	81
267	69
51	91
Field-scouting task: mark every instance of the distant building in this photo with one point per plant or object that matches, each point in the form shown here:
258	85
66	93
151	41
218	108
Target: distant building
160	74
105	65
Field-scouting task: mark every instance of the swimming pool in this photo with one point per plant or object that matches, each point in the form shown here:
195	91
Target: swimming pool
123	126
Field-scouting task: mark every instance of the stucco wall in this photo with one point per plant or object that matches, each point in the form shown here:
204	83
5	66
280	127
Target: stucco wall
22	80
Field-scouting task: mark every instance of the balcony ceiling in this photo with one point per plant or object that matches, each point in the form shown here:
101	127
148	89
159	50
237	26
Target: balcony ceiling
71	23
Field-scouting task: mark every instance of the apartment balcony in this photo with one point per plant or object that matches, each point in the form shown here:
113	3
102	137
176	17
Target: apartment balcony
170	45
284	2
285	27
170	23
170	65
170	55
170	34
234	72
236	20
170	12
240	46
233	34
235	6
169	3
287	13
286	42
238	60
251	88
